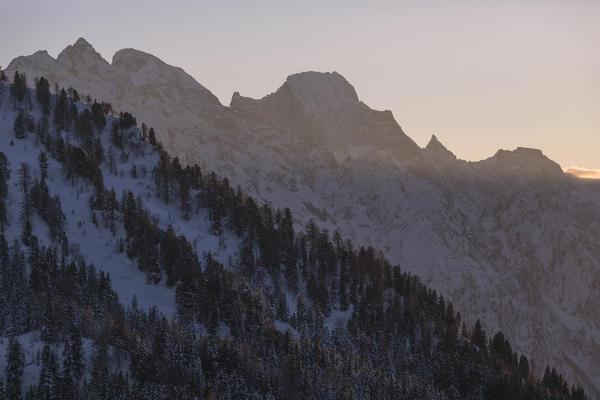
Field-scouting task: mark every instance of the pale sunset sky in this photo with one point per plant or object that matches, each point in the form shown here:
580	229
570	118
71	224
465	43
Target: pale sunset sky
481	75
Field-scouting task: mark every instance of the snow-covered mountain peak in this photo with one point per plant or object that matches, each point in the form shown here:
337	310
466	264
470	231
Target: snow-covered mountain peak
322	92
41	54
144	69
525	161
81	52
437	149
132	60
83	44
161	95
324	107
40	60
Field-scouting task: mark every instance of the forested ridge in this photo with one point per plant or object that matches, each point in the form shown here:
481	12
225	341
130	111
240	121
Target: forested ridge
291	315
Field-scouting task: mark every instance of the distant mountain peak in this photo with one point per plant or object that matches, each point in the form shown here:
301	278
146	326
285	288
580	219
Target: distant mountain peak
81	43
315	83
80	46
325	107
132	59
41	53
436	148
321	92
525	161
521	153
79	52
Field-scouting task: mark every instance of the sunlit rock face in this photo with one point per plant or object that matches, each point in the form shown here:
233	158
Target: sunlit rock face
511	240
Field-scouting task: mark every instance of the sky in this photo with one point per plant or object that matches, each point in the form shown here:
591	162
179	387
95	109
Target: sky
480	75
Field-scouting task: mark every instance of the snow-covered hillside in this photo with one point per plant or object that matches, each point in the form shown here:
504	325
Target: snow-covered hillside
95	243
510	239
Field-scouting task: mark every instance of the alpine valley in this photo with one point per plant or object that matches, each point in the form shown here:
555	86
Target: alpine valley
327	255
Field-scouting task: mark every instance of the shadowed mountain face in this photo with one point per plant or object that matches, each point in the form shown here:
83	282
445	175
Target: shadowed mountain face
510	239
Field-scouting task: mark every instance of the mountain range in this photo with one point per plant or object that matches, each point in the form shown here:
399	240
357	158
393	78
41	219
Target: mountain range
511	240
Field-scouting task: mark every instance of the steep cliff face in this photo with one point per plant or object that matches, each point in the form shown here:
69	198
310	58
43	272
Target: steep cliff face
510	238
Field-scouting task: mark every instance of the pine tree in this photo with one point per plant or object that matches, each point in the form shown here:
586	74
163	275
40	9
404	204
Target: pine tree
98	116
478	337
67	389
25	181
61	112
152	137
523	367
42	88
15	363
14	287
73	362
19	127
85	131
43	164
48	386
4	177
99	378
48	328
74	95
115	135
24	177
18	89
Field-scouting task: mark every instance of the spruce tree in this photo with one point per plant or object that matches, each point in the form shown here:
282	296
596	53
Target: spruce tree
48	386
19	126
99	376
15	363
18	89
67	389
152	137
98	116
478	337
61	111
115	135
43	164
77	362
42	88
4	177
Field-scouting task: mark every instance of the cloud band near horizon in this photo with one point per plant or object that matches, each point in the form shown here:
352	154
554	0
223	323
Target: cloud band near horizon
583	173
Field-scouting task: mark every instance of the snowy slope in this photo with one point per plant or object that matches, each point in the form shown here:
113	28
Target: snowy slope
510	238
95	243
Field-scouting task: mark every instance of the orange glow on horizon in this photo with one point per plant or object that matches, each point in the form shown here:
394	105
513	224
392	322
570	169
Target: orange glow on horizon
583	173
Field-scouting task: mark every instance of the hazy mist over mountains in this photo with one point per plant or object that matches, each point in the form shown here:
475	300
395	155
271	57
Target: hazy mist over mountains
511	240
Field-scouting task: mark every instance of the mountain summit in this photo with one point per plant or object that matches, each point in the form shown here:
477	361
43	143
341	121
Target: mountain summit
324	107
322	93
437	149
80	51
524	162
